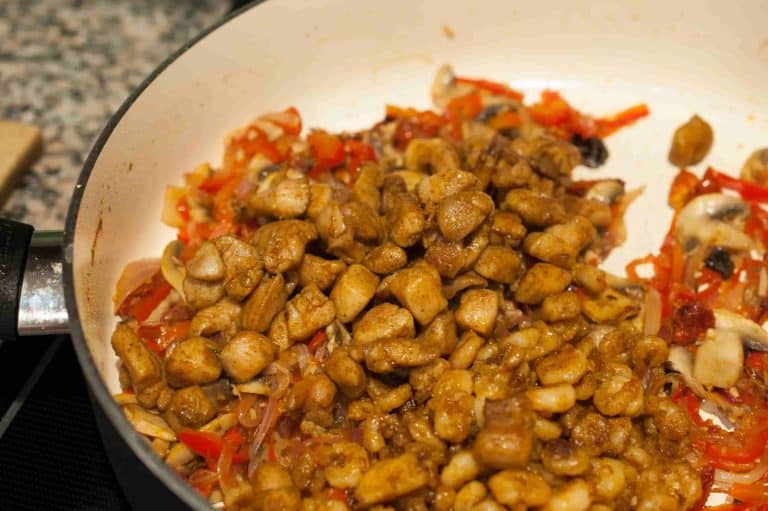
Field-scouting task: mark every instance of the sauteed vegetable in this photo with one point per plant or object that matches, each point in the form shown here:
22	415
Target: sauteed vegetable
413	317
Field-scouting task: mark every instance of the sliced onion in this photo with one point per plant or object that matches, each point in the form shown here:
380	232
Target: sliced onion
247	415
202	477
652	321
729	478
693	263
302	356
261	433
279	379
170	215
134	275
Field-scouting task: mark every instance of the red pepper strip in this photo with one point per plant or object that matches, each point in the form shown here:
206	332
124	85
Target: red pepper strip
327	150
608	125
289	119
461	109
159	337
747	190
140	304
493	87
507	120
707	480
271	454
741	450
317	339
692	407
357	152
551	110
757	361
752	494
209	445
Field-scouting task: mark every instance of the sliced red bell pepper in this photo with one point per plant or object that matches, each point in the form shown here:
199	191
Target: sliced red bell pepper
493	87
507	120
141	302
461	109
551	109
327	150
289	119
757	360
209	445
749	191
319	338
357	152
609	125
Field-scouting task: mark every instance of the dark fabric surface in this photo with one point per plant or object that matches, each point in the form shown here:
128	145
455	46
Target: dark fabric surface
51	455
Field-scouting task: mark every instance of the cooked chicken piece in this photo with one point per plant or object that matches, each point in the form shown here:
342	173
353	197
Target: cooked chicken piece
446	256
352	291
549	155
536	210
406	220
281	195
243	283
278	331
391	478
223	317
506	439
590	278
200	293
512	171
560	307
461	213
383	321
308	312
346	373
281	244
610	305
431	155
192	362
507	229
264	303
389	354
419	289
144	368
366	223
320	272
246	354
314	392
320	196
206	264
441	333
477	310
596	211
386	258
334	228
192	407
540	281
238	256
435	188
462	282
366	186
501	264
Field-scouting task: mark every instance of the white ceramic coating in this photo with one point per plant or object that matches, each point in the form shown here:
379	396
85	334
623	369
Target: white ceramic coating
341	61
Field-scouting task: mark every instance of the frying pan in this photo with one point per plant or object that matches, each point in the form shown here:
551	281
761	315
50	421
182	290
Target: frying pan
339	62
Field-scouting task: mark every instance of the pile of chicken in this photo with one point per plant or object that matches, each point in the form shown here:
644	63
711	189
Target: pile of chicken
430	332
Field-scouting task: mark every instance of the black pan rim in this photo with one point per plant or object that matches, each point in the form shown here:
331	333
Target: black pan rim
136	443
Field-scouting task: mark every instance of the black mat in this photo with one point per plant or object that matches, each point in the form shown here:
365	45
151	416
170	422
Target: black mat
51	455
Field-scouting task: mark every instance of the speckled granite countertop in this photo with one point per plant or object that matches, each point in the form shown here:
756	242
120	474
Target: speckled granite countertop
66	65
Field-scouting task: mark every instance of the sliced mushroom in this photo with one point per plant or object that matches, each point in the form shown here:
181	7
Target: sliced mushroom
148	423
172	269
680	360
751	334
713	219
719	359
607	191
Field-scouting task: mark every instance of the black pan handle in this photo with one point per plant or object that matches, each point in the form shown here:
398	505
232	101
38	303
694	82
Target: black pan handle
31	286
14	245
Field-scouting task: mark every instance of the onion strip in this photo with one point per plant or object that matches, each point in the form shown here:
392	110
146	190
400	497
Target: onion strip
267	421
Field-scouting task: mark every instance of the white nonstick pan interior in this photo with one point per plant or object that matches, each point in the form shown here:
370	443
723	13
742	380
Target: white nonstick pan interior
339	62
